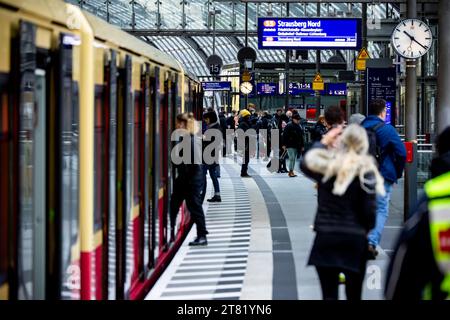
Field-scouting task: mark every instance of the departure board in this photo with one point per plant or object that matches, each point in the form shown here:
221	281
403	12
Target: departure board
313	33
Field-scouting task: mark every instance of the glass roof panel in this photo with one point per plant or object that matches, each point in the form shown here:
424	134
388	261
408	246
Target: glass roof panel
231	17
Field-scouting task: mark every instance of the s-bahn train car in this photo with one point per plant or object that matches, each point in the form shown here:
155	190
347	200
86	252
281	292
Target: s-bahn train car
86	114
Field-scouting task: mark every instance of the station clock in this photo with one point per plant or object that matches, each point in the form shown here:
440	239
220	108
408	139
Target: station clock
412	38
246	87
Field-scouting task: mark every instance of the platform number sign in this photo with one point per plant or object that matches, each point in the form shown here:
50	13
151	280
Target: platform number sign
214	64
214	69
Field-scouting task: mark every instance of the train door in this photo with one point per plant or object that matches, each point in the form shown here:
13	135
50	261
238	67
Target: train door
100	176
31	151
63	221
165	142
145	210
125	122
153	180
109	220
5	169
156	216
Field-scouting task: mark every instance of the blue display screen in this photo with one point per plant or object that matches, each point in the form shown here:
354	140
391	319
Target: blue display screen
217	86
267	89
336	89
297	88
381	83
388	112
313	33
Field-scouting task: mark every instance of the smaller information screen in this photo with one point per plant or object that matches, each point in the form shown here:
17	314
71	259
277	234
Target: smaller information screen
267	89
217	86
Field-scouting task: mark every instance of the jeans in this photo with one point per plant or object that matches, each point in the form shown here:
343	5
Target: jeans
382	214
292	154
213	173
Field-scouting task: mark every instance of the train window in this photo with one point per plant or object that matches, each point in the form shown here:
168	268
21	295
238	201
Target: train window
110	235
164	147
151	174
26	148
67	174
39	186
5	170
146	174
128	163
155	166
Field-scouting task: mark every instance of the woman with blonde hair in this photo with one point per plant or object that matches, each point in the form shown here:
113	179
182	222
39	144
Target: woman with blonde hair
348	181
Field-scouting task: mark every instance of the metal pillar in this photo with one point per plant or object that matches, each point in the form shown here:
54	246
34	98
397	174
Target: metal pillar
183	14
286	67
246	42
133	15
363	102
443	103
318	58
158	14
107	2
410	187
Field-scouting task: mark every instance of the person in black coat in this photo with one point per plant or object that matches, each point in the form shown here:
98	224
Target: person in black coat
245	125
348	180
319	129
413	273
188	183
266	124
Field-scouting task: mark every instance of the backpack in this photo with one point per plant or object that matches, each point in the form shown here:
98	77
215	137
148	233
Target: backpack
374	147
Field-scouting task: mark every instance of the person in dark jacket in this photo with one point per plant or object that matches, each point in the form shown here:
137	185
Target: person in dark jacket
281	117
223	129
293	141
416	271
212	123
346	208
319	129
392	163
266	124
188	183
244	124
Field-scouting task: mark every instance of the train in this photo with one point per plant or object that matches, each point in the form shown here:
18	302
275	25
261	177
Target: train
86	115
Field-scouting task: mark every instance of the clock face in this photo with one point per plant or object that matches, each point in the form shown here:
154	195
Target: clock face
246	87
412	38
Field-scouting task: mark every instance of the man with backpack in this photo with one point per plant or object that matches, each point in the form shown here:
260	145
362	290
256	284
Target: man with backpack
390	153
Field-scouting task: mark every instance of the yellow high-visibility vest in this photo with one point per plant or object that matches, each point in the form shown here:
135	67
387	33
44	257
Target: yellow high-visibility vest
438	193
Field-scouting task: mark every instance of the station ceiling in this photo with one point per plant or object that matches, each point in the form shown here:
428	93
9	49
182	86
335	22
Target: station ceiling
192	51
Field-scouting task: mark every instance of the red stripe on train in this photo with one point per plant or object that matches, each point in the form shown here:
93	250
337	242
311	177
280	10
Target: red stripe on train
86	269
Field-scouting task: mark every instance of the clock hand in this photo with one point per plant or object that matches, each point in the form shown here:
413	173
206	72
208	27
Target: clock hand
420	44
414	39
410	36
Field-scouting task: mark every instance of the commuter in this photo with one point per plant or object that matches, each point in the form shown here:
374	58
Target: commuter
230	120
188	184
223	129
420	267
244	124
391	162
319	129
293	141
348	180
267	124
211	120
281	119
357	118
334	116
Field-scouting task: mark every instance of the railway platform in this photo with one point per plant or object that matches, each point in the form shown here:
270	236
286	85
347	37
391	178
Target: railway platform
259	242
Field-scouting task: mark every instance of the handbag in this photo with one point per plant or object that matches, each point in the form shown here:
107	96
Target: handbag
269	164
